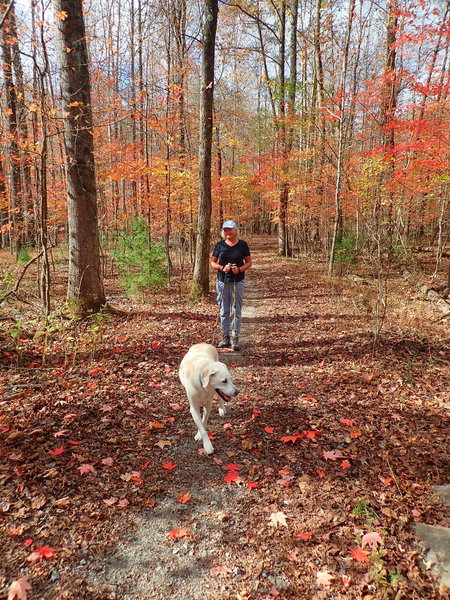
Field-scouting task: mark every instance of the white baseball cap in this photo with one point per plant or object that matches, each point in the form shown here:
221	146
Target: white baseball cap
230	224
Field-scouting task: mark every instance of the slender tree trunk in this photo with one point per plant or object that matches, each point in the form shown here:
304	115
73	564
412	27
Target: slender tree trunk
15	204
337	228
200	284
27	194
85	285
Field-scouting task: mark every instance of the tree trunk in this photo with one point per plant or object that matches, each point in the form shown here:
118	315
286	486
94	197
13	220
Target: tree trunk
14	150
337	227
200	285
84	285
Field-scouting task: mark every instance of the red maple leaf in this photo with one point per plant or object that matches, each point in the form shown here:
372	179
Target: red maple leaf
345	464
46	551
269	429
232	476
310	435
169	465
252	485
304	535
291	438
231	467
348	422
176	534
57	451
359	555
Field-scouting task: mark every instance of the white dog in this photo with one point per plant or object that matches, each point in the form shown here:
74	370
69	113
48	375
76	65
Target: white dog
202	374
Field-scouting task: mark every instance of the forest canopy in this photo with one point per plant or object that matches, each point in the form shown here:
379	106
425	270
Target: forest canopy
331	120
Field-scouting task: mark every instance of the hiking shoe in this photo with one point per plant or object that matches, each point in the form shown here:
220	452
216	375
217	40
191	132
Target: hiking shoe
235	343
225	343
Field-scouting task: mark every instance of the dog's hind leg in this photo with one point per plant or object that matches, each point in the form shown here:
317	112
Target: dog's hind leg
202	433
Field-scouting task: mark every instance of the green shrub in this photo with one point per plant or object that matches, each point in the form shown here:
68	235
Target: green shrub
347	248
142	265
23	255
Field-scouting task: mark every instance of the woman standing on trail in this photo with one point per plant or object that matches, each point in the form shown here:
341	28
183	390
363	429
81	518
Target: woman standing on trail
231	258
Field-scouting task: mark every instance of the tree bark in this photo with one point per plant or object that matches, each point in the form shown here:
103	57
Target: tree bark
200	286
84	285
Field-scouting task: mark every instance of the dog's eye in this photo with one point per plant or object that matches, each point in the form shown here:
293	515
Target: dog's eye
225	381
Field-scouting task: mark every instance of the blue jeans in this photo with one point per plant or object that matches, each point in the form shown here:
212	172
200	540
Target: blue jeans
229	298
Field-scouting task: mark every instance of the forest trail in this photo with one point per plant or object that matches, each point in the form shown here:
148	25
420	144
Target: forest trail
322	465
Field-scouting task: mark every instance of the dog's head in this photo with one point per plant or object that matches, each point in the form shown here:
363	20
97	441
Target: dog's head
218	376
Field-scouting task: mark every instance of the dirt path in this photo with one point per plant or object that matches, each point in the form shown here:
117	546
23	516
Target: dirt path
321	466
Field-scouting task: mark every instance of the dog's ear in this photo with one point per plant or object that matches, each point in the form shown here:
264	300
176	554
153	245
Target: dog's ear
205	376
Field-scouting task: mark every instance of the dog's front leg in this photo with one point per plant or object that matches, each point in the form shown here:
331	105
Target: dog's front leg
222	409
202	433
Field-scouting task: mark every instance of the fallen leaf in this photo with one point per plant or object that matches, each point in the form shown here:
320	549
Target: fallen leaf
169	465
345	464
252	485
372	539
278	518
332	454
184	498
156	425
110	501
304	535
348	422
46	551
222	571
57	451
310	435
231	467
324	578
85	468
269	429
108	461
19	589
232	476
359	555
176	534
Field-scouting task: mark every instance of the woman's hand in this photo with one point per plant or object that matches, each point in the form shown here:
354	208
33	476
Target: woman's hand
235	269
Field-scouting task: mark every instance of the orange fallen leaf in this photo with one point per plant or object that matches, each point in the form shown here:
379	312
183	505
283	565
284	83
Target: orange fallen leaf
184	498
176	534
304	535
359	555
19	589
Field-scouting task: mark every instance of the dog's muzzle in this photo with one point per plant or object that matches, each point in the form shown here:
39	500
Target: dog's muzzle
225	396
